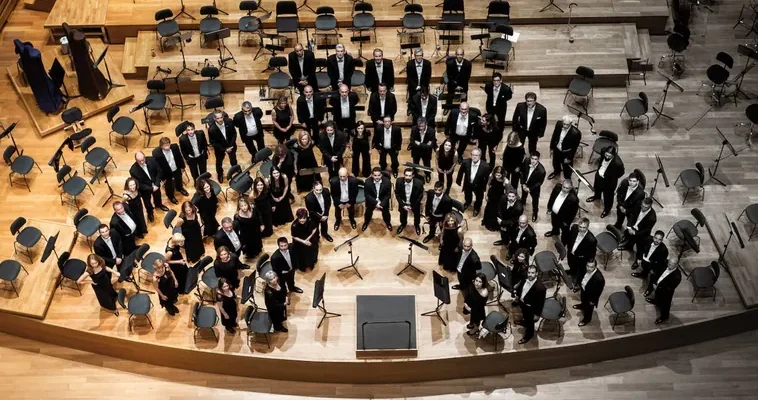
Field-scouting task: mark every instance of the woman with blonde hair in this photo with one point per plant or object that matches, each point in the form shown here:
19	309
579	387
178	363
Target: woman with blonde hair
100	274
175	259
282	118
166	286
250	227
305	160
450	242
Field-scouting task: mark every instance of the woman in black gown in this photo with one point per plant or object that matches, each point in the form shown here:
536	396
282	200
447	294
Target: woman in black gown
134	201
175	259
166	286
280	203
305	240
361	138
450	243
284	159
446	164
475	301
305	160
283	118
100	274
262	201
193	235
277	300
488	137
227	265
513	158
494	193
250	228
207	205
520	263
226	300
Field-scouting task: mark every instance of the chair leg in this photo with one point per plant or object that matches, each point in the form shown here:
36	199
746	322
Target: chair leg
685	196
149	321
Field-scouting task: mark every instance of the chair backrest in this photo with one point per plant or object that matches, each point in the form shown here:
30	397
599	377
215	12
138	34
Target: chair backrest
498	8
87	143
324	10
562	301
8	154
561	249
168	219
262	155
214	103
208	11
286	7
122	298
233	171
504	29
63	173
699	217
196	312
209	72
616	232
726	59
321	62
277	62
413	8
249	311
79	215
17	224
358	63
716	270
700	171
248	6
71	115
156	84
629	294
585	72
62	260
363	7
112	113
452	6
162	15
610	135
644	99
141	251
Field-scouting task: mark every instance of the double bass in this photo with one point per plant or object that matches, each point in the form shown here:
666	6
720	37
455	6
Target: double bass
92	82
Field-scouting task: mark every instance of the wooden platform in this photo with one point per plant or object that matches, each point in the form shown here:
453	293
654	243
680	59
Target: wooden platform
85	15
740	262
49	123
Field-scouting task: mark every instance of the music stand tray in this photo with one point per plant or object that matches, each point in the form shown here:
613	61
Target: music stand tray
386	326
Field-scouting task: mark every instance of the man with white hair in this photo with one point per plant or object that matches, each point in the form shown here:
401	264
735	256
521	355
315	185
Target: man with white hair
419	72
563	146
223	138
340	67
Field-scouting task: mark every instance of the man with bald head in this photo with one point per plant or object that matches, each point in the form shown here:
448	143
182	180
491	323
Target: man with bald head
460	128
340	67
458	73
468	264
522	237
344	190
343	109
147	173
302	67
310	110
563	146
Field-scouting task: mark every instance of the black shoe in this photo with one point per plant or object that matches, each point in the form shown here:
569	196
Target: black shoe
352	224
638	275
282	329
418	230
220	178
163	208
400	229
336	226
465	207
173	200
583	323
327	237
428	178
456	287
552	175
428	238
184	192
476	213
524	340
389	226
635	265
534	217
497	243
603	214
577	306
364	226
297	289
394	174
649	300
151	218
591	199
646	294
550	233
659	321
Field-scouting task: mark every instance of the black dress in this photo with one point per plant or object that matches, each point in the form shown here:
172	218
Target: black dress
494	193
446	163
306	160
229	305
138	210
250	234
166	285
307	256
106	295
288	165
229	270
513	157
361	148
518	273
450	243
477	302
283	212
179	270
193	239
276	304
207	207
263	207
282	117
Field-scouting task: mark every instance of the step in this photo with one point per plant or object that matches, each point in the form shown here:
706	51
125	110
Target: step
128	69
646	48
39	5
145	50
631	42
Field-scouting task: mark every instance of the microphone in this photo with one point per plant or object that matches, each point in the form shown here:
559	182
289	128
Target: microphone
141	105
165	71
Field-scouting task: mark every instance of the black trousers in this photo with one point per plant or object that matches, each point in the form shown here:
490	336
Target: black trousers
345	124
425	158
361	160
528	317
312	127
449	184
606	189
646	267
350	213
577	267
393	159
559	226
532	140
253	143
173	183
468	195
220	160
587	310
288	279
558	165
368	215
513	176
433	224
151	205
415	209
197	166
332	167
461	142
620	217
535	195
488	152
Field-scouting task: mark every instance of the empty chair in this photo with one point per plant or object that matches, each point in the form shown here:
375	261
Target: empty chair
122	126
322	77
210	23
210	87
240	181
279	80
72	185
581	86
718	75
139	305
9	270
704	278
636	108
495	323
248	23
168	219
685	225
167	26
159	101
498	13
257	323
453	11
747	18
608	242
204	317
325	20
20	165
604	139
287	20
359	77
86	224
413	19
677	42
553	310
210	280
73	118
96	157
146	263
547	262
27	237
71	270
363	19
621	303
751	212
691	179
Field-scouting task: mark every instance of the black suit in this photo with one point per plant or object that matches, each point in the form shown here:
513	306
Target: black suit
198	163
499	106
308	71
146	183
631	205
461	140
644	228
657	260
380	198
585	251
427	144
172	180
346	122
508	217
375	107
316	212
414	81
468	271
220	143
122	229
568	148
417	191
417	110
372	77
531	305
590	295
664	291
436	215
283	270
562	220
220	238
533	183
332	69
250	141
528	240
605	185
352	193
304	115
535	129
396	140
329	150
455	77
102	249
475	187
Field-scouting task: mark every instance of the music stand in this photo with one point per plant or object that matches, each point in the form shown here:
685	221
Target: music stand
178	80
733	231
658	173
219	36
688	241
58	75
318	300
349	242
315	172
482	35
582	115
183	12
582	180
305	5
660	113
551	4
409	265
448	27
750	53
724	143
127	267
442	293
417	167
101	171
9	132
360	40
182	38
143	106
404	47
50	247
107	70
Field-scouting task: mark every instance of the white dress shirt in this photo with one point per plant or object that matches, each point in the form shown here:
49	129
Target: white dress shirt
527	287
629	191
341	68
288	258
320	200
382	101
604	167
587	277
419	70
520	232
309	102
301	61
234	238
344	194
461	127
252	127
474	170
144	168
579	237
529	115
222	128
170	159
331	140
650	252
379	70
387	138
435	203
345	105
408	190
464	256
424	104
377	185
128	221
641	215
195	147
495	93
529	175
564	132
559	202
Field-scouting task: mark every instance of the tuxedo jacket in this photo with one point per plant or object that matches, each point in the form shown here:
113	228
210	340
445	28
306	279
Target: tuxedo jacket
221	239
664	292
528	238
535	297
241	125
539	120
327	150
444	207
570	142
396	138
457	78
186	146
375	107
413	78
352	189
570	206
160	158
382	197
279	263
470	266
538	176
614	171
480	180
633	203
594	288
452	122
116	224
388	75
333	70
509	216
428	142
146	182
501	106
417	191
309	68
217	139
586	249
102	250
645	226
335	102
659	257
304	116
314	208
431	108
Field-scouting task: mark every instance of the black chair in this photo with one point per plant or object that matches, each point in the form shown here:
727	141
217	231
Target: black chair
139	305
581	86
751	112
146	264
363	19
210	280
718	75
496	323
453	12
72	185
210	23
240	181
71	270
636	108
677	42
9	270
691	179
702	278
249	23
263	156
96	157
210	87
257	323
86	224
167	26
193	274
322	77
73	117
204	317
27	237
20	165
413	19
751	212
160	102
749	13
213	104
553	310
498	13
121	126
621	303
325	20
547	262
504	279
168	219
287	20
604	139
214	185
608	242
686	225
359	77
502	47
278	80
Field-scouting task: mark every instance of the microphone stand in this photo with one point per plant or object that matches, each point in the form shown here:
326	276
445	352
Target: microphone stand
181	104
659	113
349	242
655	185
112	194
185	36
581	179
716	167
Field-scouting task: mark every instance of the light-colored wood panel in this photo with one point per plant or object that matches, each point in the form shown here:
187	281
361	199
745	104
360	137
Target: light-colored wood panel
78	13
